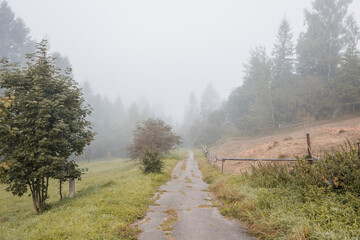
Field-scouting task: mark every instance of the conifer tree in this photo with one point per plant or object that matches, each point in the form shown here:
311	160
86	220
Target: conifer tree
15	40
282	54
319	48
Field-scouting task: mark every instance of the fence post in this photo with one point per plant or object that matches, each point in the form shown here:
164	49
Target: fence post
309	146
222	165
71	188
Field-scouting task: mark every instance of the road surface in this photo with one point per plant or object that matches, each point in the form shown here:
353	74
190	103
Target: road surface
185	201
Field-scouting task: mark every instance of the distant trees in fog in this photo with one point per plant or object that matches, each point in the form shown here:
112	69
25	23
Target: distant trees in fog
113	123
316	78
16	40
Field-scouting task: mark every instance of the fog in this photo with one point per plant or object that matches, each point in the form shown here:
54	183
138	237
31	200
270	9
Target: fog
160	50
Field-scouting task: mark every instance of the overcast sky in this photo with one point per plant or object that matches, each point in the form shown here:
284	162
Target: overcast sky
160	49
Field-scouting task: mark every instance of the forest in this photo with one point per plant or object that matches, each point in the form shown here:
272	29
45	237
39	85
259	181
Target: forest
313	77
303	78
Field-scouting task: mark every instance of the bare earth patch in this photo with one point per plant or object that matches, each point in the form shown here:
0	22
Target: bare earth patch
288	145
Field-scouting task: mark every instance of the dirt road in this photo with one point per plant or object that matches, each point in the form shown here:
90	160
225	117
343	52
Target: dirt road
184	210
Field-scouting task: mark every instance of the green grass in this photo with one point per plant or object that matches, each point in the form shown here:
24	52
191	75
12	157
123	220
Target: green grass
111	195
284	211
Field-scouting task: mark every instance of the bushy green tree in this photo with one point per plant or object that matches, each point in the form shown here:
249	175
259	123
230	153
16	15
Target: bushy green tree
152	138
45	125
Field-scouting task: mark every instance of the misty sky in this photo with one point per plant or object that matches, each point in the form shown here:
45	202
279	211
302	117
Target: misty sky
160	49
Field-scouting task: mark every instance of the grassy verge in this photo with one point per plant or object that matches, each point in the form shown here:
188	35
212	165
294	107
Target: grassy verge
112	195
277	205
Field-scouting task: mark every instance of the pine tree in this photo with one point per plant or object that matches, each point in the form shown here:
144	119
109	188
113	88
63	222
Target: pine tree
249	106
282	54
319	48
15	41
282	81
191	116
347	82
209	101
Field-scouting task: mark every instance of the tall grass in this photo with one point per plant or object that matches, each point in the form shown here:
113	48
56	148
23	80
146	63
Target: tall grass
308	201
112	195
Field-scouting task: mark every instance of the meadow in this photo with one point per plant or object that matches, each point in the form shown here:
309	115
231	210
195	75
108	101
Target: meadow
111	196
305	203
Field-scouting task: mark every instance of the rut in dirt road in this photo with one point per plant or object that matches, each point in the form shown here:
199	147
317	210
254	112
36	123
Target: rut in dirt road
185	201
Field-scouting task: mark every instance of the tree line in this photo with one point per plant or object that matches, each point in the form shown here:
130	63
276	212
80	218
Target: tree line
316	77
113	122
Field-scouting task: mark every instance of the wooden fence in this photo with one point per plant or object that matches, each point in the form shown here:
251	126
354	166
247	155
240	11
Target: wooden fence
213	159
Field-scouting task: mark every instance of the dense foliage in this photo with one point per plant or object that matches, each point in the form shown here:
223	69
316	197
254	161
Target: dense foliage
43	126
152	138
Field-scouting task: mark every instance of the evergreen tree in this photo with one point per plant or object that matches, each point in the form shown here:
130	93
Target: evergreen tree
249	106
191	116
209	101
347	82
15	41
283	90
282	54
319	48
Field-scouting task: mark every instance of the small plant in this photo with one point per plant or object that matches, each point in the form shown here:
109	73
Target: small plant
288	139
341	131
271	175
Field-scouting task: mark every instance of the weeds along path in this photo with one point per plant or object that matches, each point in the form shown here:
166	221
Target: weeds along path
184	210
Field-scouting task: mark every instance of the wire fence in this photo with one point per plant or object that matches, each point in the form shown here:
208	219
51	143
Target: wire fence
213	159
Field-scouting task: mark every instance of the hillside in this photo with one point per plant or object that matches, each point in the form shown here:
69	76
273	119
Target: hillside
290	144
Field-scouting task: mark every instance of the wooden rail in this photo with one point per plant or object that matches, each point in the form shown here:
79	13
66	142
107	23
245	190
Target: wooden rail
213	159
259	160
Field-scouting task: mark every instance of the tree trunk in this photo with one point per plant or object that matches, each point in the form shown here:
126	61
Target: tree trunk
31	186
60	188
39	190
35	204
71	188
46	188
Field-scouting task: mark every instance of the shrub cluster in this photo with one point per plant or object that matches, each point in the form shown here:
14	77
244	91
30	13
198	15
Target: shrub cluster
338	172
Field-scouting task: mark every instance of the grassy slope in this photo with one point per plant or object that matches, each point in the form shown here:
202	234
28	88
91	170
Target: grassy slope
283	212
111	196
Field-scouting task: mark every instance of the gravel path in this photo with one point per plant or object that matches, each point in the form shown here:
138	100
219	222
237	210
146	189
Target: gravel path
185	201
